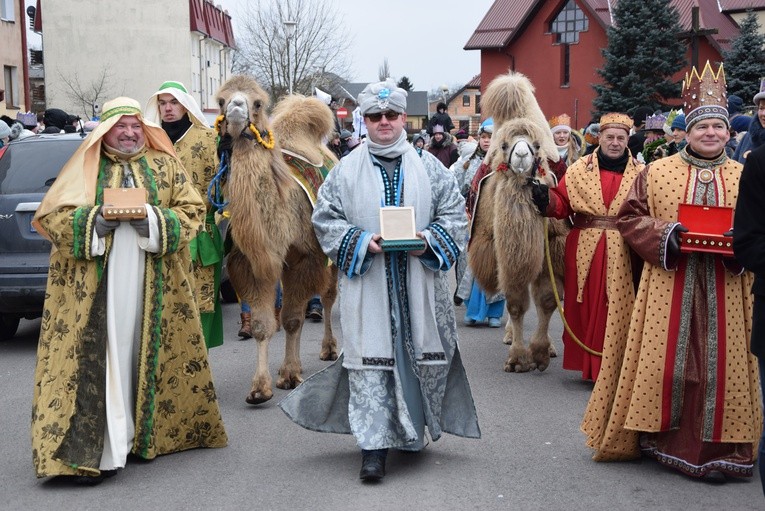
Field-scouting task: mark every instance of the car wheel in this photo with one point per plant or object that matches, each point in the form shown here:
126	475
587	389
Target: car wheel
8	326
227	293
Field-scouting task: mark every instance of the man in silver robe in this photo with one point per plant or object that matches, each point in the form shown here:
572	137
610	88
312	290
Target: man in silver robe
400	369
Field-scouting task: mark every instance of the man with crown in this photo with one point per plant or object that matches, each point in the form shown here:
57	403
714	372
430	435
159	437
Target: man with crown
688	390
598	286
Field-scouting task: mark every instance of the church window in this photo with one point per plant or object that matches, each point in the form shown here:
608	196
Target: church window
568	23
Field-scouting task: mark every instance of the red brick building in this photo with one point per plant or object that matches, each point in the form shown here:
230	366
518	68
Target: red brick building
557	43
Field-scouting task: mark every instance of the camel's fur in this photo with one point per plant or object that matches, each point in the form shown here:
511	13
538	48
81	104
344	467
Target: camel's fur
271	225
507	247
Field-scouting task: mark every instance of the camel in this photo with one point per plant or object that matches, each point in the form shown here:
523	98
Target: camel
507	246
270	219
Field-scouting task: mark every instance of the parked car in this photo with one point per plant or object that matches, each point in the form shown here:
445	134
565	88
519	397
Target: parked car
27	169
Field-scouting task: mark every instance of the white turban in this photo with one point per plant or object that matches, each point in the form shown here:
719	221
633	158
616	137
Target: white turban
382	96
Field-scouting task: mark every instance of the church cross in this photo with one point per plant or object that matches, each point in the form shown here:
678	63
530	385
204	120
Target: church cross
694	34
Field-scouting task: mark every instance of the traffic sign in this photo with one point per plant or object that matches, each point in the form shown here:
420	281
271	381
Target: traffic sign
342	112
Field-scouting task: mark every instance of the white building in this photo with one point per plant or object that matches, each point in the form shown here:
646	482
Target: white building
95	50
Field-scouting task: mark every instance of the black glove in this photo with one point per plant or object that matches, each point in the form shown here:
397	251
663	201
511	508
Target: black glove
104	226
673	243
141	226
540	195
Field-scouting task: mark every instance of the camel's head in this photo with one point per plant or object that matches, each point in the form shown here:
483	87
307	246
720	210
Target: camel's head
515	148
242	102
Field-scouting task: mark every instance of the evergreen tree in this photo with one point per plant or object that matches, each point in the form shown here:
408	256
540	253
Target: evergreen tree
745	62
405	84
643	53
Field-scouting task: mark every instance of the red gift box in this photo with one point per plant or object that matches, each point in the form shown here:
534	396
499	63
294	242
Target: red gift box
706	225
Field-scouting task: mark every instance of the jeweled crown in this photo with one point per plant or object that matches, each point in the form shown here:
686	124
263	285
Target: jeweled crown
705	95
655	122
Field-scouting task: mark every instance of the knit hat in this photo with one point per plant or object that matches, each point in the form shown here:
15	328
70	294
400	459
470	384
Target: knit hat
487	126
461	135
741	123
734	105
382	96
5	131
345	134
678	122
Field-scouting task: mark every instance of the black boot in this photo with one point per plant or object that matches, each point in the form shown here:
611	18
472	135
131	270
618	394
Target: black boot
94	480
373	464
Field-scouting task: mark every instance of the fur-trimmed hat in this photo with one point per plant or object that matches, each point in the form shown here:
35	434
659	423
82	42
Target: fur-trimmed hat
5	131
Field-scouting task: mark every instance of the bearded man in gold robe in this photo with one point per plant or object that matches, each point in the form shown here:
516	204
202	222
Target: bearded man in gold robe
121	362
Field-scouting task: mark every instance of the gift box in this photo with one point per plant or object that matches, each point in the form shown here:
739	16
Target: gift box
124	203
706	227
397	229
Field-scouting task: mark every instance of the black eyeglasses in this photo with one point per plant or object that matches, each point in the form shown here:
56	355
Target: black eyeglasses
390	115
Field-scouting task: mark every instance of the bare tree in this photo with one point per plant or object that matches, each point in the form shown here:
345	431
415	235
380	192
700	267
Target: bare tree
87	95
317	47
383	72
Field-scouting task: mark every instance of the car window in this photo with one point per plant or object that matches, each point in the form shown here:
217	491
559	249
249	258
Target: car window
33	166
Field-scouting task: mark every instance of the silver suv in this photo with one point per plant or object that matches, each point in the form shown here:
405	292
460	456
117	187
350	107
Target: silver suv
27	169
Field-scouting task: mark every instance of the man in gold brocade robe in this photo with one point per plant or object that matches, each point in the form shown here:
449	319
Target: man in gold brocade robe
121	362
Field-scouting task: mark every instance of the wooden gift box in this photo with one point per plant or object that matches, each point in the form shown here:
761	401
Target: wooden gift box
124	203
706	225
397	229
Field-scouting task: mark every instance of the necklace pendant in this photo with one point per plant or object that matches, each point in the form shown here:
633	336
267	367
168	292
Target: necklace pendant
706	176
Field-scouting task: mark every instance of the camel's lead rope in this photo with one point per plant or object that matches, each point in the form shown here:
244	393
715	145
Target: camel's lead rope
557	298
215	190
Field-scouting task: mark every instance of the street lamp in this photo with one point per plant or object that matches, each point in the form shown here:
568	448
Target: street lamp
289	31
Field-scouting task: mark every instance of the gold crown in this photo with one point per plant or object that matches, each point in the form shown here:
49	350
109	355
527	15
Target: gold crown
704	95
560	121
616	120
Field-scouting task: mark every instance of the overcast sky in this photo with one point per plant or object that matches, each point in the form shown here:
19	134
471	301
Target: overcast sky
422	40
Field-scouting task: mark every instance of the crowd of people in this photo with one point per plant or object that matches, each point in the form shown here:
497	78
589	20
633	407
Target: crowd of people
668	330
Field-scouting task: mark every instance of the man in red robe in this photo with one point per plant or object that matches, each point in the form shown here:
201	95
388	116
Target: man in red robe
598	294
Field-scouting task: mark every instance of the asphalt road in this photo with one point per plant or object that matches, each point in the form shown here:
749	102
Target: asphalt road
531	456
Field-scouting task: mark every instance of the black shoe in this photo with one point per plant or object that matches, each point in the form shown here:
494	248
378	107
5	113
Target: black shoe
457	300
315	313
373	464
94	480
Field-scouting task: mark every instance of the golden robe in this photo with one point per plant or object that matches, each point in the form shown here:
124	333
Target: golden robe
196	150
688	381
175	405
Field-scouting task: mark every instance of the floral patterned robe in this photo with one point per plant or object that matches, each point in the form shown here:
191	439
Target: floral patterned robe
175	403
197	151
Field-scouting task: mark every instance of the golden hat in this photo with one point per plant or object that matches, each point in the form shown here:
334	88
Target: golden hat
705	95
560	122
616	120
